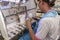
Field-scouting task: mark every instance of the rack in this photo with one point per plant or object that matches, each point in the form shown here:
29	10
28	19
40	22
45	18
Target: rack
11	26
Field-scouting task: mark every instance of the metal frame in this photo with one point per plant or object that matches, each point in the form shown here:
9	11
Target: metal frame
2	26
3	19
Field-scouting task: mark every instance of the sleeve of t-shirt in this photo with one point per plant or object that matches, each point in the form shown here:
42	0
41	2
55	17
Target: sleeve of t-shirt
44	28
37	38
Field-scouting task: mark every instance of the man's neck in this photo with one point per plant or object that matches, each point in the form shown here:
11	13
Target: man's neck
47	9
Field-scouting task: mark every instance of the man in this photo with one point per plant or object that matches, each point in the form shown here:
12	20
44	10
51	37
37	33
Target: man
43	30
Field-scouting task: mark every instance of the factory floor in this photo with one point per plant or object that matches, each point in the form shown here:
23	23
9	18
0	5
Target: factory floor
1	38
15	38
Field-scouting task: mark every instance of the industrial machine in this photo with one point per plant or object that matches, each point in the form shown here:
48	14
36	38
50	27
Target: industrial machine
12	18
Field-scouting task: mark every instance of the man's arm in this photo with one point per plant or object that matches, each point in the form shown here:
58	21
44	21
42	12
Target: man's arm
28	22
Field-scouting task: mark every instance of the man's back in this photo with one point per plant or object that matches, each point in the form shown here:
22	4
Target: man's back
53	25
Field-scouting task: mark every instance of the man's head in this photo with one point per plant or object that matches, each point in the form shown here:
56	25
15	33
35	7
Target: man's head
46	4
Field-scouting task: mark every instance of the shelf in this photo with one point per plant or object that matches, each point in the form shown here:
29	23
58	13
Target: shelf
14	29
16	11
13	11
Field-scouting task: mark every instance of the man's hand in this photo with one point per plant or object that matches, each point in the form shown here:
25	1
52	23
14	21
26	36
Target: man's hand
28	23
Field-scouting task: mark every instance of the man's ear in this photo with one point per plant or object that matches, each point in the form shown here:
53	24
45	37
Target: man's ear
43	3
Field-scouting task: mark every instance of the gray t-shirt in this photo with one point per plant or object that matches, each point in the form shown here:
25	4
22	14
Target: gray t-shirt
49	29
48	26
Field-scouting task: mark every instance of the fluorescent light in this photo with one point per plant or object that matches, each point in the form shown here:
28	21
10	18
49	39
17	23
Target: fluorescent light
4	0
17	1
0	0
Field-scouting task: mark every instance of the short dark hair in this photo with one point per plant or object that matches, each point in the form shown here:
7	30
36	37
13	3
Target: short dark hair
51	3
